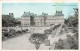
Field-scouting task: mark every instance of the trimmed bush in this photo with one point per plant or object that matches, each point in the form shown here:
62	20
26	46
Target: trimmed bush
37	39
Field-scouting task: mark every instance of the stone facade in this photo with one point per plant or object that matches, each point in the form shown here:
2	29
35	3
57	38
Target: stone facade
25	21
31	19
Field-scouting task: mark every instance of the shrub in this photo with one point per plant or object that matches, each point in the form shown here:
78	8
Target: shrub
12	32
72	41
55	27
59	44
48	31
24	31
19	32
37	39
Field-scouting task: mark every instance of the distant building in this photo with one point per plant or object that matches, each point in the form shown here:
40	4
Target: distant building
59	13
8	20
31	19
8	17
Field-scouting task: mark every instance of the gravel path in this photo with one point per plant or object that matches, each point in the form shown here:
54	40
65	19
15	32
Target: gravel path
21	43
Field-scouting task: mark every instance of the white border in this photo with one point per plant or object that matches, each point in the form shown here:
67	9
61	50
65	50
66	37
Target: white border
35	1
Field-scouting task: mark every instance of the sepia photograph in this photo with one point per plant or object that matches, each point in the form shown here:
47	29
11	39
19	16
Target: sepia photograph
40	26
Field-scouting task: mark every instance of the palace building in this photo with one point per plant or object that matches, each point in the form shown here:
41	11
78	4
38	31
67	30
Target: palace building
31	19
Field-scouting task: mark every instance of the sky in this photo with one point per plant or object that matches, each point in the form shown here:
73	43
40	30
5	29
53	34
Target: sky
19	8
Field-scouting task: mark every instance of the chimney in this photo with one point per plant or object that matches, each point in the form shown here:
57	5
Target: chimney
61	11
11	14
56	11
24	12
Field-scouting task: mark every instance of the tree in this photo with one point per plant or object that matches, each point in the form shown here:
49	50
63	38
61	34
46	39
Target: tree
17	22
37	39
47	31
59	44
72	42
73	19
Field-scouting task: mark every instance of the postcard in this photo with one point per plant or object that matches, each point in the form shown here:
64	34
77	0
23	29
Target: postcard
37	25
